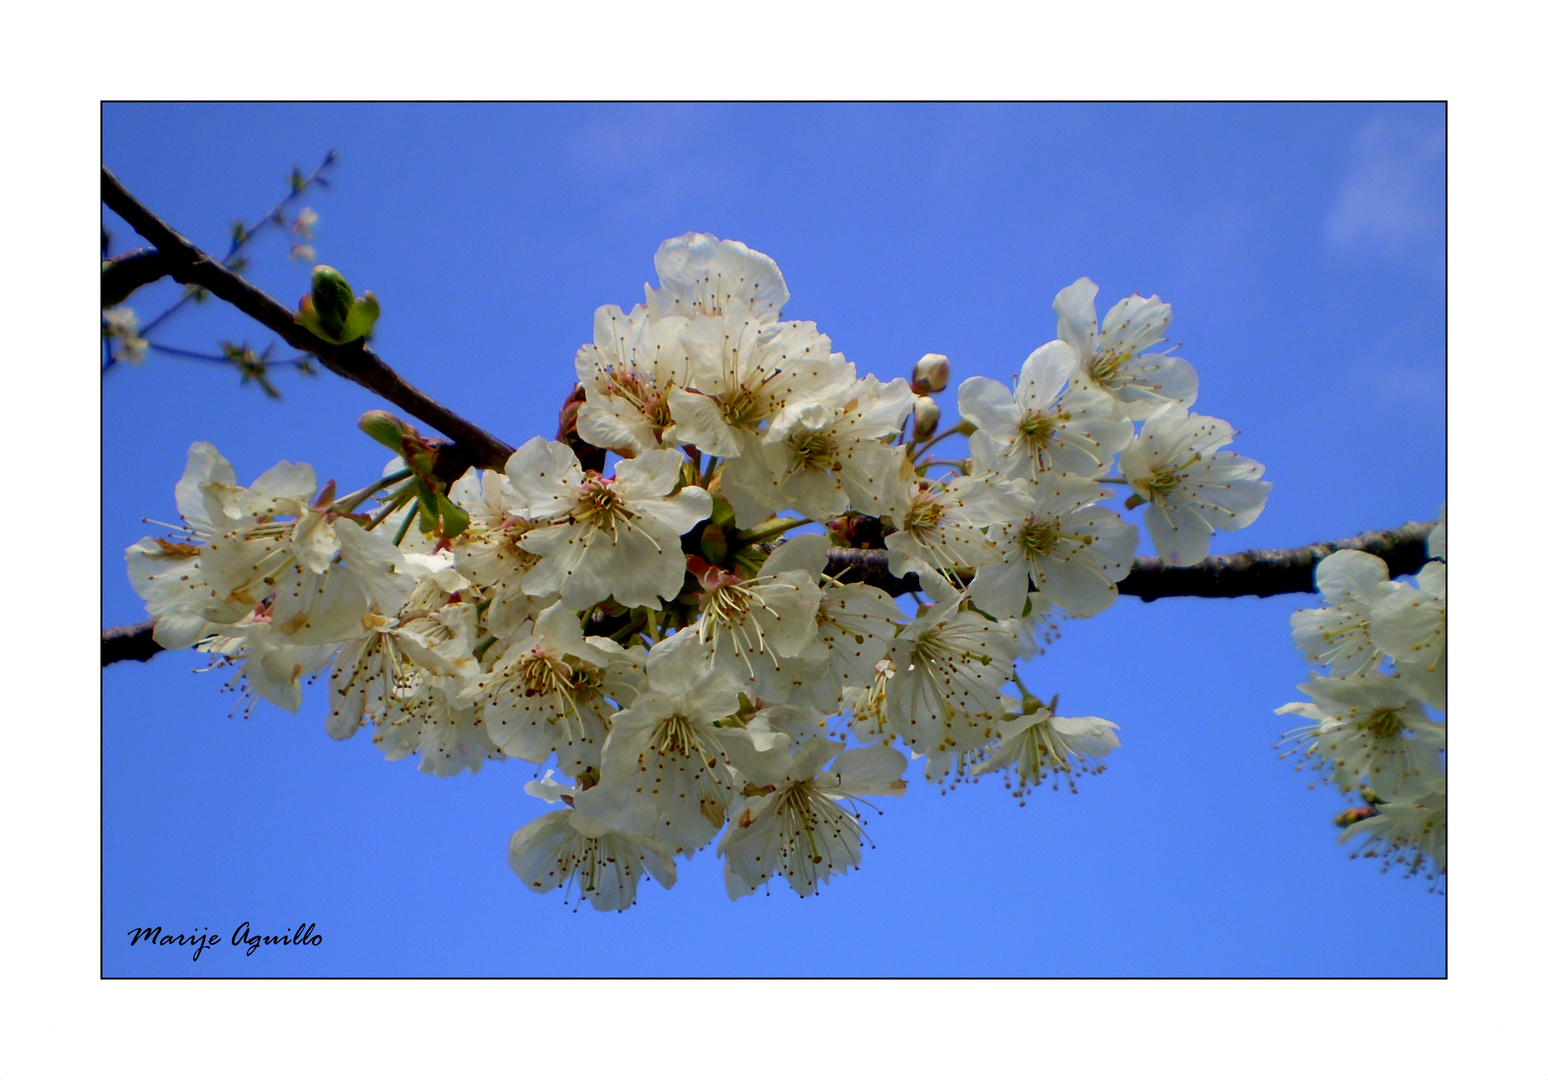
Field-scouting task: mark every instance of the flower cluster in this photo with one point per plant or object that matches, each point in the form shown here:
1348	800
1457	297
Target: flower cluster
693	664
1383	644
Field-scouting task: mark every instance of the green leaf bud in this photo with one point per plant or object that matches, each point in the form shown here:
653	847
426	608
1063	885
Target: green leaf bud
332	299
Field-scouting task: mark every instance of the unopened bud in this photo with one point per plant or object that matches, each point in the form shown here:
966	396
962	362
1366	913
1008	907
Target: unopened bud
931	374
385	428
332	299
712	542
331	311
1349	817
927	416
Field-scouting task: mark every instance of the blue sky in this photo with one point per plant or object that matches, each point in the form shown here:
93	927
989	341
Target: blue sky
1302	250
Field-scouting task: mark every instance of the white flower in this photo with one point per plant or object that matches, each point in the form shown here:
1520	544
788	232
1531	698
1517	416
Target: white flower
267	667
855	628
1035	743
666	766
546	693
940	528
573	849
368	573
167	576
1112	359
122	324
168	573
1409	625
1070	548
753	628
744	373
380	673
1193	487
1409	830
447	735
627	374
489	550
792	824
236	550
1371	730
1045	426
703	275
436	580
827	456
598	537
951	664
305	223
1340	633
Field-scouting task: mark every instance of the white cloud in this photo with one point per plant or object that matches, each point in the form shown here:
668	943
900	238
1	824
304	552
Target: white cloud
1393	200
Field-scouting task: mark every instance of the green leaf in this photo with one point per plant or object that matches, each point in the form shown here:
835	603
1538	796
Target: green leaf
454	519
427	515
721	512
362	317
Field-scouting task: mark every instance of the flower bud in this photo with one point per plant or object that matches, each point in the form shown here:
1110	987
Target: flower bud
1349	817
931	374
927	416
712	542
385	428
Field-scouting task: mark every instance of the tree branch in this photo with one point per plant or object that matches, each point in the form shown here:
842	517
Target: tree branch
123	274
1270	572
1245	573
129	643
355	362
1275	571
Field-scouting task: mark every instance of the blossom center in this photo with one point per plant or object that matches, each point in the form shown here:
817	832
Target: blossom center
1163	482
600	505
814	450
1103	368
1382	724
677	735
743	409
924	513
543	673
1039	537
1037	430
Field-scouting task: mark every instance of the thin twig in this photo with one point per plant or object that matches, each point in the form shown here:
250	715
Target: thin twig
355	362
240	238
190	354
